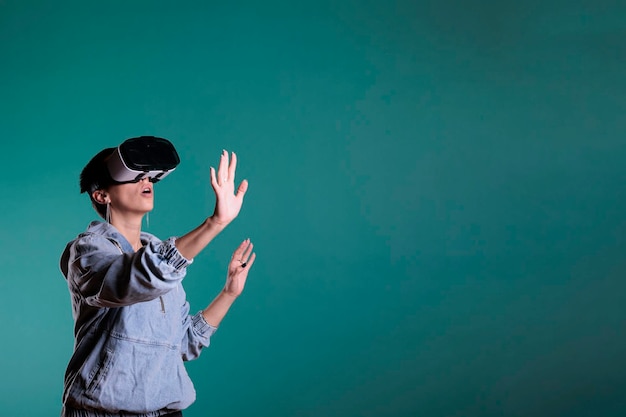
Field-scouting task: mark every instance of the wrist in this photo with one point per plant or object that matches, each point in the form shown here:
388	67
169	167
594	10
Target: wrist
228	296
212	223
218	308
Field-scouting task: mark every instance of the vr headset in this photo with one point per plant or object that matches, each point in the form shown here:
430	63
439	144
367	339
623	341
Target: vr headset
141	157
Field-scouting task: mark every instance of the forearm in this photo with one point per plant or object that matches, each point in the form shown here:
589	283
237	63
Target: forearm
106	277
218	308
227	206
191	244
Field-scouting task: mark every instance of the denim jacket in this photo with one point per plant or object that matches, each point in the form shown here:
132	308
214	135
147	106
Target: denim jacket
132	328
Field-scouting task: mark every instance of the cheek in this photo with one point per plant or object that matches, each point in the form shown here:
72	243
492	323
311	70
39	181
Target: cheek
123	200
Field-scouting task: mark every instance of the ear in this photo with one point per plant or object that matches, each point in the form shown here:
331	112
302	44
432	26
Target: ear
101	197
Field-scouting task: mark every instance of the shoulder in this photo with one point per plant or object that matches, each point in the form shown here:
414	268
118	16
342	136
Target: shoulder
93	242
149	238
86	250
97	237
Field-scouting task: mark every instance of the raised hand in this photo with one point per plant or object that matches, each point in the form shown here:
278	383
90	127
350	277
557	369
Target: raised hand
227	203
238	268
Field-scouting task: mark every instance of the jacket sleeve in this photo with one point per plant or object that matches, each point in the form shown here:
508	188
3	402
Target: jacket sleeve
105	277
196	333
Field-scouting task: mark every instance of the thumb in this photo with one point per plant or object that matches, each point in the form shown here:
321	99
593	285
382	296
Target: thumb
243	187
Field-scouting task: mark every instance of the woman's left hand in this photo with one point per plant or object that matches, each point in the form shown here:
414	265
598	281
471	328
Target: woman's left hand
238	268
227	203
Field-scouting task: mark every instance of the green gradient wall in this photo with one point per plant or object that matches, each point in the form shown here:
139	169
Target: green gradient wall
436	196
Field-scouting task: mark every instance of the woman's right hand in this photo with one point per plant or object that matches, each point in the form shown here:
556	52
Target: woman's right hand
227	203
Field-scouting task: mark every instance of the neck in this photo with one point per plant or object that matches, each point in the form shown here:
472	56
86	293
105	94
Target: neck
130	228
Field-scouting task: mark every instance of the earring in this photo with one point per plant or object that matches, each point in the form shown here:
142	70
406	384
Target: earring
147	220
108	213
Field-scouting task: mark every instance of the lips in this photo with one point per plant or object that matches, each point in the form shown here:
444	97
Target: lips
146	190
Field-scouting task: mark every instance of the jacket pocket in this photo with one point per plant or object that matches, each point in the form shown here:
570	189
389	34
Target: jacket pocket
98	374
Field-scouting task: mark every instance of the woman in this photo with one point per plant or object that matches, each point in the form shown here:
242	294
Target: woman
133	329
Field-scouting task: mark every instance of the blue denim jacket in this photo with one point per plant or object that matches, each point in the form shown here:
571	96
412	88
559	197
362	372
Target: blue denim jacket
132	328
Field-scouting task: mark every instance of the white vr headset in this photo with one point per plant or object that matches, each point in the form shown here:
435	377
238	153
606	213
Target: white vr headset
141	157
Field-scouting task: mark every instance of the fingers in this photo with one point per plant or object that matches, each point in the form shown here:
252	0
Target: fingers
232	167
222	170
213	178
247	251
242	246
243	251
225	169
250	261
239	251
243	255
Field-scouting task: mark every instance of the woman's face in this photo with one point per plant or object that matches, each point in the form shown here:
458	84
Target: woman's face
136	198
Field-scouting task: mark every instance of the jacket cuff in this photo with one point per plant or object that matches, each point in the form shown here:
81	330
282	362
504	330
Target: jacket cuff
172	256
201	326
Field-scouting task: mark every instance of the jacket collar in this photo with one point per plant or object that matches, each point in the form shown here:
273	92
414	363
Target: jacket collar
110	232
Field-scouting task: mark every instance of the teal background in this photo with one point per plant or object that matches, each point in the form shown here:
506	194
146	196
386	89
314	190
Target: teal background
436	196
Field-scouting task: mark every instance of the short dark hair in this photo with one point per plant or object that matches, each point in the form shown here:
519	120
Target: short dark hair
95	176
